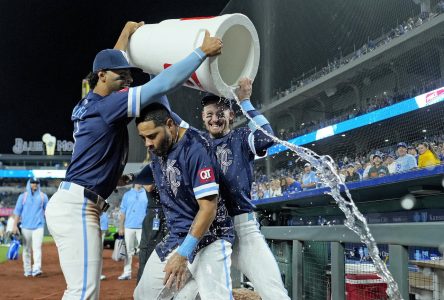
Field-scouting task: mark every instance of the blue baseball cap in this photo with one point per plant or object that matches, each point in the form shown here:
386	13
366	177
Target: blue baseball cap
111	59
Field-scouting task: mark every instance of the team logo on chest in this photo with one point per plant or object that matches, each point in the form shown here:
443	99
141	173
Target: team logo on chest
172	175
224	157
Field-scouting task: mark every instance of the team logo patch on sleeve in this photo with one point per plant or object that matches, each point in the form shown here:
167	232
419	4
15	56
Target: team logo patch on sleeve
206	175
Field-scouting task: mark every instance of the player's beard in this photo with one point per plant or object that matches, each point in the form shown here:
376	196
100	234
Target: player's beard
165	145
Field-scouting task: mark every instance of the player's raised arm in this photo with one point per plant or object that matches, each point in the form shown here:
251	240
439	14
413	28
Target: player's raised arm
127	31
258	141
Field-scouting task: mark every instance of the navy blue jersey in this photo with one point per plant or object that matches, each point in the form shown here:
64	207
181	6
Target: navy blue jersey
101	139
235	153
185	175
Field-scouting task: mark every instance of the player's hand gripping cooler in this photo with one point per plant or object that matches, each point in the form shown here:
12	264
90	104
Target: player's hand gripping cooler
119	252
14	248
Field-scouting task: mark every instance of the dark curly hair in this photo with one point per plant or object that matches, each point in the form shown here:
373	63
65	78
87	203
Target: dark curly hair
92	79
155	112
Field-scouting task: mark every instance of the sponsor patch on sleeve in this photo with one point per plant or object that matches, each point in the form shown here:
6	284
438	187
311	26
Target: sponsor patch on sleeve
206	175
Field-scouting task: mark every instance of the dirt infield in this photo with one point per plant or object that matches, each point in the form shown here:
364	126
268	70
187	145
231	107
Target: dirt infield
13	285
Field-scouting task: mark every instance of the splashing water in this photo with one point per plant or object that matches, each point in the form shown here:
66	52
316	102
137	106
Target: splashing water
355	221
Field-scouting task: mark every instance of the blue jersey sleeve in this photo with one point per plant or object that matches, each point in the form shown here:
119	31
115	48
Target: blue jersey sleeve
19	206
201	172
168	80
127	103
171	78
45	201
257	140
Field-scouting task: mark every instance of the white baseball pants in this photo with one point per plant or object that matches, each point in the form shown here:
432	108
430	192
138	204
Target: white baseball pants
74	224
210	269
251	256
132	241
32	239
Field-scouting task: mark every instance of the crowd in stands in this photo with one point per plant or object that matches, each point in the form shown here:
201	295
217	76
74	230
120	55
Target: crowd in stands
373	103
371	45
394	159
398	158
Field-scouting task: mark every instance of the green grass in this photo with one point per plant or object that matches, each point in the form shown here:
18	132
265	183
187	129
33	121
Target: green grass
4	249
48	239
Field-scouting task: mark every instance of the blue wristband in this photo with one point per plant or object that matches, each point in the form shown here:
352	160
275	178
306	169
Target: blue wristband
187	246
246	105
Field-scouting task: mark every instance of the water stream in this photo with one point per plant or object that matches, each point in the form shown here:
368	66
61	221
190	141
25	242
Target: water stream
355	221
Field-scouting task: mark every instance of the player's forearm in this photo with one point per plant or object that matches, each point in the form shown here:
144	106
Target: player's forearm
204	217
121	221
15	219
127	31
202	221
122	41
171	78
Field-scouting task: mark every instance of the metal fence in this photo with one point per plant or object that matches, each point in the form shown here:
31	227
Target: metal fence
329	262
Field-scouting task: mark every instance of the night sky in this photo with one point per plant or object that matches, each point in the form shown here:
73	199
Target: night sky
48	48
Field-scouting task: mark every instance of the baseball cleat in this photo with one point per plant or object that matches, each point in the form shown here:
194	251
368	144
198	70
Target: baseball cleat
28	274
102	277
124	277
36	273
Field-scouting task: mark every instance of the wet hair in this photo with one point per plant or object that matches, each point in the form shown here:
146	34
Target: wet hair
214	99
154	112
92	79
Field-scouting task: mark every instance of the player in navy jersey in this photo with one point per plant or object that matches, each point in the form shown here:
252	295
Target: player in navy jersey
200	232
100	154
235	150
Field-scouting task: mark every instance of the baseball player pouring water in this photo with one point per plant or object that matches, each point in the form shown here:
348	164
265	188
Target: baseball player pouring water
100	154
235	150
